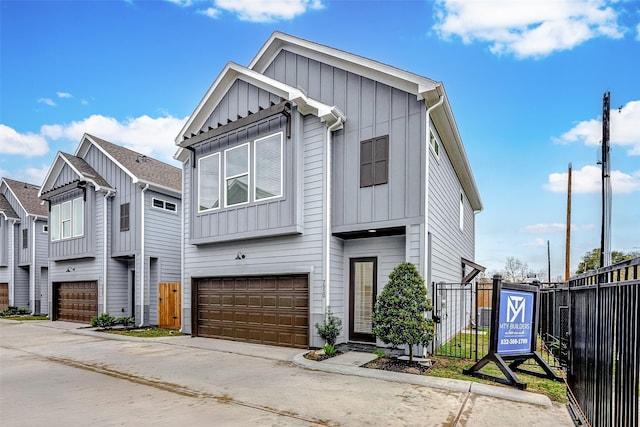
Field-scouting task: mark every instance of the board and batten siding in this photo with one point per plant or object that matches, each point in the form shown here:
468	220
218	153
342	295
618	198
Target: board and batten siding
5	225
85	245
448	243
298	253
372	109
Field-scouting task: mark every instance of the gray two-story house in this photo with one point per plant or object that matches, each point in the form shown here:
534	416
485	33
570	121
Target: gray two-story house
114	234
23	247
308	176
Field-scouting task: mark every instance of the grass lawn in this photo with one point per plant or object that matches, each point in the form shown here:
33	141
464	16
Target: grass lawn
21	318
147	332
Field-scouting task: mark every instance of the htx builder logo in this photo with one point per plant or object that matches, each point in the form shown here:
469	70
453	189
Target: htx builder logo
515	308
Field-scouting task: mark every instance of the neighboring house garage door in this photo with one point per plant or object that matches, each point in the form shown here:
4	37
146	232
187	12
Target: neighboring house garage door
76	301
267	309
4	296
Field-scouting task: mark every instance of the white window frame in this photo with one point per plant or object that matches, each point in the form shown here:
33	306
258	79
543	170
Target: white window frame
58	226
247	147
200	181
45	228
255	165
164	205
461	211
433	136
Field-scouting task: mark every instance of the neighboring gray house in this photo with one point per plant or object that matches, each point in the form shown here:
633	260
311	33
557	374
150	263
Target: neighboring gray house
23	247
308	176
115	220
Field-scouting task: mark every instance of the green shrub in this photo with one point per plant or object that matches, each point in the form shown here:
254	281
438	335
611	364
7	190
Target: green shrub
125	321
14	311
399	313
329	350
330	329
378	352
103	321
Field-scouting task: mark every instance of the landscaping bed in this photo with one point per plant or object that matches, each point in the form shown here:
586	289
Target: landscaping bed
394	364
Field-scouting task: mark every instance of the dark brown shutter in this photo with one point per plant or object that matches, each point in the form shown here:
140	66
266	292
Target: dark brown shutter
124	217
374	161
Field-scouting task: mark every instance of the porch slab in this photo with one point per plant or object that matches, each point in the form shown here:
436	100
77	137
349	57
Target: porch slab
351	358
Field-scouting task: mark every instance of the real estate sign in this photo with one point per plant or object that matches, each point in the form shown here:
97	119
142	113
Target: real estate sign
515	322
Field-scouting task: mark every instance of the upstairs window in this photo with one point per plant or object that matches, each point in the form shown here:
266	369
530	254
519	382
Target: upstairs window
374	161
67	219
268	167
163	204
124	217
25	238
236	177
461	212
435	145
209	182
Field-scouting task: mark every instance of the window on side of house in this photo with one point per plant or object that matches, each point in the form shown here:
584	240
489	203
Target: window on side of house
55	222
461	211
236	177
45	228
209	182
124	217
164	205
78	217
374	161
268	167
434	144
25	238
65	219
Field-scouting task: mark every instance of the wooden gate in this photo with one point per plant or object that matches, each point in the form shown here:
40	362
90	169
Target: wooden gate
169	305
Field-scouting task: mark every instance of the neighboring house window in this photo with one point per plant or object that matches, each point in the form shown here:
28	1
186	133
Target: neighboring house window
67	219
163	204
268	167
435	145
124	217
45	228
25	238
236	177
55	222
209	182
374	161
461	212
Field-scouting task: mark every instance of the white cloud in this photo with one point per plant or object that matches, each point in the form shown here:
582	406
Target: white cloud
589	180
553	228
27	144
624	129
638	32
210	12
182	3
258	10
64	95
144	134
33	175
526	28
47	101
536	242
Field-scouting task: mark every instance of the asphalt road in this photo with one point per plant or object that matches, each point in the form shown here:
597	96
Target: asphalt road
56	377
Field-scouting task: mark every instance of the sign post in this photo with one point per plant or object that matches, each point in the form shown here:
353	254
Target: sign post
513	334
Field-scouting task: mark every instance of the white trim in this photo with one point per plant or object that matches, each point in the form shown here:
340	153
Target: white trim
248	174
219	176
164	205
255	165
45	228
142	254
71	202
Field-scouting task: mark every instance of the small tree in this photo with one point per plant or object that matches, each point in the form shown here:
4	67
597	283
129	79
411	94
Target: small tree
399	314
330	329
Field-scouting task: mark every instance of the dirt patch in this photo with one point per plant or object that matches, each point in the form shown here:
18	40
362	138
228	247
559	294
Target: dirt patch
394	364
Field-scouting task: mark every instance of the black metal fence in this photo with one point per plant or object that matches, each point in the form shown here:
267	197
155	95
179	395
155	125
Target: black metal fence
603	349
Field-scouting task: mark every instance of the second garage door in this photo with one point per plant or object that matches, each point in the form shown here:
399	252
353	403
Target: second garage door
76	301
267	309
4	296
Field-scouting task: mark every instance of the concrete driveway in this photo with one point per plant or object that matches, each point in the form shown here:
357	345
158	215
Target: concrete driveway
54	373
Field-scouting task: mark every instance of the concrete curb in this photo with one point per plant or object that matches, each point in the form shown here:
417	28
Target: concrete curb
459	386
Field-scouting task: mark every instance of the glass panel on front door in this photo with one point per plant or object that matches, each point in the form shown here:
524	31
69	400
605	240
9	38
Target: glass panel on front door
363	294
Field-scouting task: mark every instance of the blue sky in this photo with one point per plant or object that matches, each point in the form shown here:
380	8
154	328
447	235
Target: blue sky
525	80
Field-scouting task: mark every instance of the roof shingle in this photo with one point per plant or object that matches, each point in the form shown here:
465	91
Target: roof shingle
27	195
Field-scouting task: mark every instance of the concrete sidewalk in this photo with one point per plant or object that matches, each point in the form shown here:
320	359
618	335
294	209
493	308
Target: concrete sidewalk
269	380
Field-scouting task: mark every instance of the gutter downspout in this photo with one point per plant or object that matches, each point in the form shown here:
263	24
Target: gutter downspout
12	275
107	194
182	244
340	118
142	262
426	264
32	278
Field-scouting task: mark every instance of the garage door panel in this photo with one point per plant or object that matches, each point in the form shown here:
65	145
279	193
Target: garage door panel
269	310
76	301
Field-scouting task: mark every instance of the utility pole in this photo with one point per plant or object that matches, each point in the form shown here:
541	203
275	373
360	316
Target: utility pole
567	249
605	234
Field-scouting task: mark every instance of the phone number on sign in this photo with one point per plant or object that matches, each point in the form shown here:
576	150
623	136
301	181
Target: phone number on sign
507	341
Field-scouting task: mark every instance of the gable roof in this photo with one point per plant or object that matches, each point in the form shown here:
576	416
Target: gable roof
6	210
424	88
141	168
27	196
233	72
81	168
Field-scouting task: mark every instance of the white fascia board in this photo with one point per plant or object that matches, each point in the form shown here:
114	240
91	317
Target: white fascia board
52	173
161	189
133	177
383	73
227	77
16	198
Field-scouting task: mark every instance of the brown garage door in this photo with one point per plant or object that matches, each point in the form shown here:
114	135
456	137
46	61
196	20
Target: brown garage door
4	296
267	309
76	301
